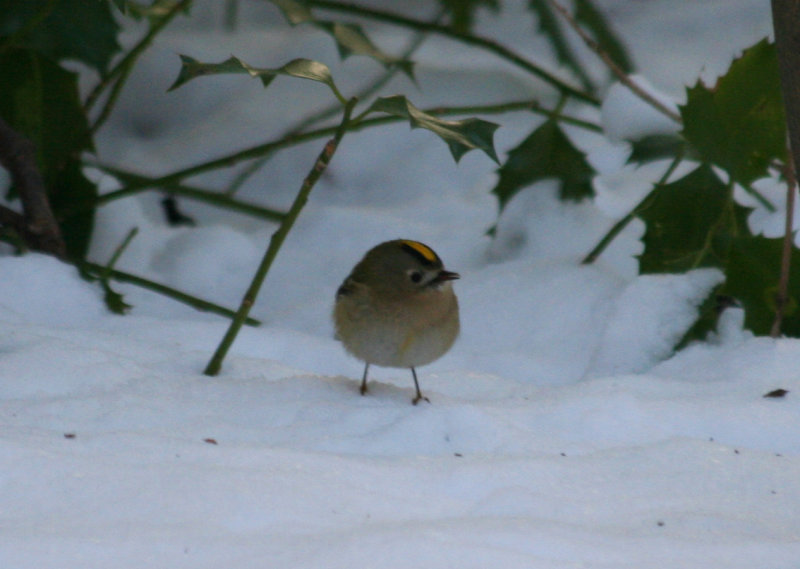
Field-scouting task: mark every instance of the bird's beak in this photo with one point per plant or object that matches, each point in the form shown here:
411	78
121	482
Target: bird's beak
446	276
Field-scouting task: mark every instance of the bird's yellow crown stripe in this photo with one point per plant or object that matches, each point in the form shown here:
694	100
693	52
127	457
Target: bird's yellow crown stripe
426	252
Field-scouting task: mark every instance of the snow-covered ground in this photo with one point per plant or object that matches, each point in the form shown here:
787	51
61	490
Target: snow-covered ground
561	432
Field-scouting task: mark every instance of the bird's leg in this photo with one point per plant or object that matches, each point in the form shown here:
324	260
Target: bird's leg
364	380
419	397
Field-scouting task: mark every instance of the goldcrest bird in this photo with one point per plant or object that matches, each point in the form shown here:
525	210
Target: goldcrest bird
397	308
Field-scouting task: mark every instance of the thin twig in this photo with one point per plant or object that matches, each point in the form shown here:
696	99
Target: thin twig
785	14
782	294
487	44
120	72
231	14
197	303
121	247
617	228
331	111
39	229
185	191
623	77
277	239
173	180
114	301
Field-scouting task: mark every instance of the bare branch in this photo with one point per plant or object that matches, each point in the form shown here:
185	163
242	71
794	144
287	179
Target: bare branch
785	14
38	229
623	77
782	295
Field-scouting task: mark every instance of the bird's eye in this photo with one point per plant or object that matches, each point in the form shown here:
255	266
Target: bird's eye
415	276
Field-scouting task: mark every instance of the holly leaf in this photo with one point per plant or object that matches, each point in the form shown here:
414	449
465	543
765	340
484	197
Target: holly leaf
68	29
350	38
752	276
546	153
41	101
461	135
694	222
301	68
740	124
295	12
690	223
115	302
66	187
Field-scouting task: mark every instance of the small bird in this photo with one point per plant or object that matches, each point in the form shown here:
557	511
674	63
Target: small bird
397	308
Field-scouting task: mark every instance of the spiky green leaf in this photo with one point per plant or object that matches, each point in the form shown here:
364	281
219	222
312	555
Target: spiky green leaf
547	153
301	68
690	223
752	278
740	124
115	301
461	135
67	29
40	100
350	38
295	12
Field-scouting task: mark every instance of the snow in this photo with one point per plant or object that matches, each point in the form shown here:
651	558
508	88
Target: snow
562	431
628	117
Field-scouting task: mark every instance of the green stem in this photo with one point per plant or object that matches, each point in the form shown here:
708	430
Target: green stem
623	223
277	239
487	44
125	65
142	183
114	300
231	14
122	246
194	302
768	205
171	181
615	69
366	92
